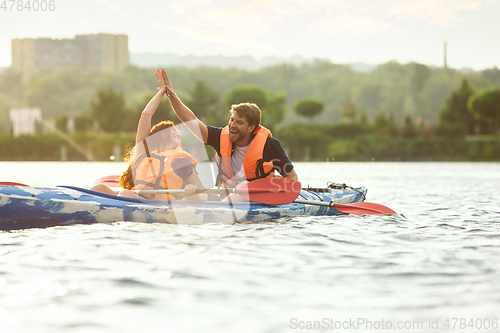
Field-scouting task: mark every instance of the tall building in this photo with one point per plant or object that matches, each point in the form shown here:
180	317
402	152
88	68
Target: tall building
102	52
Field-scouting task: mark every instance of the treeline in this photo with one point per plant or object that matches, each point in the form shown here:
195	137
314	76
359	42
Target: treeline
361	142
303	146
402	90
318	111
85	146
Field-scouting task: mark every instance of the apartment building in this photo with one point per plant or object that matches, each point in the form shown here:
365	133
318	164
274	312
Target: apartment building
101	52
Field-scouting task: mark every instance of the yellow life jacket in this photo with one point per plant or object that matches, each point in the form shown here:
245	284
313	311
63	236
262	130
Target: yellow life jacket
155	172
253	165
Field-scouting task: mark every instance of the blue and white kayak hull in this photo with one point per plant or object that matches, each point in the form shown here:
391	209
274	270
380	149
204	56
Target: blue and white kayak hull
24	207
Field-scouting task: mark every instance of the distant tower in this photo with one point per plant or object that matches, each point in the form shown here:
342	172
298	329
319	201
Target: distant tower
445	57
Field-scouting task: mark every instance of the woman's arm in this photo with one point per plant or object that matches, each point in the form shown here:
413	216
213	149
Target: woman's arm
144	125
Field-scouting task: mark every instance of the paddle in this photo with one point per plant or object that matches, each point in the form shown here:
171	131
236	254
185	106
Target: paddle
283	191
355	208
280	190
110	181
273	191
12	184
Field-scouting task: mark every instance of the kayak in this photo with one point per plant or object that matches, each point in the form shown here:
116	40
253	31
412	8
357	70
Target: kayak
23	207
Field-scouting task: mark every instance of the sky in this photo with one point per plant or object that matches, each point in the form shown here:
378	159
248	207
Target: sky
343	31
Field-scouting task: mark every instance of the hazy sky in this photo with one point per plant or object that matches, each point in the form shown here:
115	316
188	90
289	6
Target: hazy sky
344	31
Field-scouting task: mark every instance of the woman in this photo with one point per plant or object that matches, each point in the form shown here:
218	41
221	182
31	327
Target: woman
157	161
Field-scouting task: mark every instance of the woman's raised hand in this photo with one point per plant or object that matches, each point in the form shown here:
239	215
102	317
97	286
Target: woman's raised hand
161	82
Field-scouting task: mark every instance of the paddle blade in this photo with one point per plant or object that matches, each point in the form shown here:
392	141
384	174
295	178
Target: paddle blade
12	184
110	181
273	191
363	208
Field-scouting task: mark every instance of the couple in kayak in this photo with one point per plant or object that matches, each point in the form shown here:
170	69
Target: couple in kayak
245	150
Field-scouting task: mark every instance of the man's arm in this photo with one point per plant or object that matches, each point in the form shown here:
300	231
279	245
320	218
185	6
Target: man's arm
291	175
273	151
183	112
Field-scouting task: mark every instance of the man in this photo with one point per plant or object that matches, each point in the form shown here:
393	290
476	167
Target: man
245	150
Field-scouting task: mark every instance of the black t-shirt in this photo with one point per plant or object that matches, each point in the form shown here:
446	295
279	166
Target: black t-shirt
272	150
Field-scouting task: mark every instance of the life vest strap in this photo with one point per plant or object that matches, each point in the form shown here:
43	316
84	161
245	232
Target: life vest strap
260	172
156	184
222	177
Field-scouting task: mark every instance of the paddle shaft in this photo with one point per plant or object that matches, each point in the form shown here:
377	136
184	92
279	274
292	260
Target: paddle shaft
223	191
262	195
272	191
342	208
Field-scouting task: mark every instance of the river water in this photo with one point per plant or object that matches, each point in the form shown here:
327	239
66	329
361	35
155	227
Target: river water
435	267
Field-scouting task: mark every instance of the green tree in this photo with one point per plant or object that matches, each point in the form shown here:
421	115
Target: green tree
419	75
67	91
381	120
272	105
485	105
275	109
246	94
363	119
11	85
384	123
433	95
370	96
454	113
109	109
493	75
391	125
410	129
61	122
5	105
83	123
349	111
205	103
309	107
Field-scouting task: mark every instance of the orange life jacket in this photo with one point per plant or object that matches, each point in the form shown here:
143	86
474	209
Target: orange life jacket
156	172
254	165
